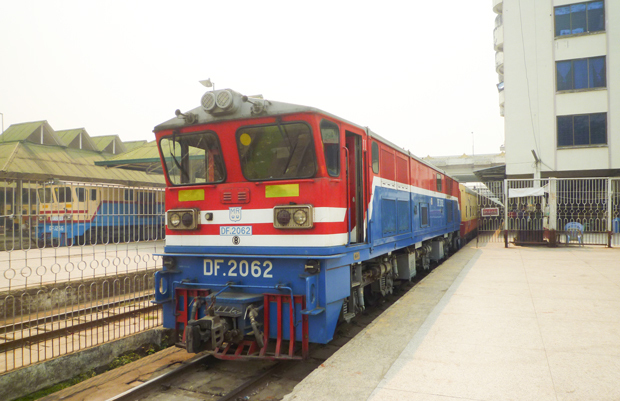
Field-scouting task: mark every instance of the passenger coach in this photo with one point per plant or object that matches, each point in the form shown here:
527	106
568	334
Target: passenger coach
284	219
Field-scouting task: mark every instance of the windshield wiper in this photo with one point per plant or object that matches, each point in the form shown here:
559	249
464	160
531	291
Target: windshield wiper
291	153
182	172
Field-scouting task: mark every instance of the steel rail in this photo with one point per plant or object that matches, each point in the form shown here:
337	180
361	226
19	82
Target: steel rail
69	315
144	388
67	331
251	382
147	386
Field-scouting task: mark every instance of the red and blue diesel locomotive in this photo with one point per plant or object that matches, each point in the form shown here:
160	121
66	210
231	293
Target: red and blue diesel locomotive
283	220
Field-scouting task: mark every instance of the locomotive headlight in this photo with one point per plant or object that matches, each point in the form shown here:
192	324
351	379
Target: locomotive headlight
183	219
187	219
300	217
224	99
293	216
284	217
174	220
208	101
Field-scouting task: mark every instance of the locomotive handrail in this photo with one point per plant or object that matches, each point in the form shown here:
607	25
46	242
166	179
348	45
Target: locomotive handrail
281	182
249	255
346	151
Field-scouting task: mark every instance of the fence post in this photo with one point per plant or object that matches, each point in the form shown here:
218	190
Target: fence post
505	213
610	211
553	211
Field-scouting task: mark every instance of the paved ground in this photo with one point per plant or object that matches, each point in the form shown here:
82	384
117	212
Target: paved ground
524	323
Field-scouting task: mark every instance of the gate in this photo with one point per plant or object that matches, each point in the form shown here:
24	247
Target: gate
491	211
614	201
527	211
583	203
583	211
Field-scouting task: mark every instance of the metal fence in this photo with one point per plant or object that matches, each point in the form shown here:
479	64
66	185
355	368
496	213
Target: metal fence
76	266
491	201
584	211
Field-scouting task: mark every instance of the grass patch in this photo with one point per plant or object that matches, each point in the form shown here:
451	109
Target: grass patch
58	387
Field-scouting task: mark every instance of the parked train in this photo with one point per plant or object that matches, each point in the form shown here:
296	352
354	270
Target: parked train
470	212
283	220
18	205
75	213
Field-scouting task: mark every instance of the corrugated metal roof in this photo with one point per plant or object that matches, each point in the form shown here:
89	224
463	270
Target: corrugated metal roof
72	138
68	135
39	162
133	145
32	132
109	143
145	158
147	151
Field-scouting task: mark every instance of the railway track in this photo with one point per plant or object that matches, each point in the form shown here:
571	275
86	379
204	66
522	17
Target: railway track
208	378
43	328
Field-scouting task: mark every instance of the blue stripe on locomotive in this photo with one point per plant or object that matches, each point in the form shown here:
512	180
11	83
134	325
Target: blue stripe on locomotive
397	214
388	231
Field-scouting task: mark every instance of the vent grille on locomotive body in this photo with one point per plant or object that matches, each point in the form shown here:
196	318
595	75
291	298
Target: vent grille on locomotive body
299	218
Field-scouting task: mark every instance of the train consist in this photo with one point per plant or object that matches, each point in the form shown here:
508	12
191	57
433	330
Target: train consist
97	214
283	220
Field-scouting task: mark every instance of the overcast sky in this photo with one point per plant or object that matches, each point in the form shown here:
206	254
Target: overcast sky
419	73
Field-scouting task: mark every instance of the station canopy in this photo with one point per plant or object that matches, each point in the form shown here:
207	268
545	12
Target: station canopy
34	151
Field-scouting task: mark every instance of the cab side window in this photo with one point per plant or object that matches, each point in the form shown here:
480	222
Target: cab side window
331	146
375	158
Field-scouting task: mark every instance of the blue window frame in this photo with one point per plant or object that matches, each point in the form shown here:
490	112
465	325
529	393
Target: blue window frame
580	18
581	74
582	130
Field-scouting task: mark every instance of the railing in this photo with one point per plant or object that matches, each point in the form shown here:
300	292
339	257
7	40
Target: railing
76	266
530	211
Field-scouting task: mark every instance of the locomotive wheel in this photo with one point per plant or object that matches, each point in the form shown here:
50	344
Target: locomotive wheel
371	298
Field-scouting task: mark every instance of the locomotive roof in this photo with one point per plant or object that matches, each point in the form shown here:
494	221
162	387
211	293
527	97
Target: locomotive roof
245	108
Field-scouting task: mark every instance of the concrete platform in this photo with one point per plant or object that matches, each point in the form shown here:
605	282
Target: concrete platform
523	323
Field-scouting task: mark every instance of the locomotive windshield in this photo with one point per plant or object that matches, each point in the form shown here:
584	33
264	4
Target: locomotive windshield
193	158
276	152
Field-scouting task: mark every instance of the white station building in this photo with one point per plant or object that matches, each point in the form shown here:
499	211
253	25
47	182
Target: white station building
558	63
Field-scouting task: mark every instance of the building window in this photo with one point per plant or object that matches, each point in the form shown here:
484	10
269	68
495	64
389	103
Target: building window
582	130
580	18
581	74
